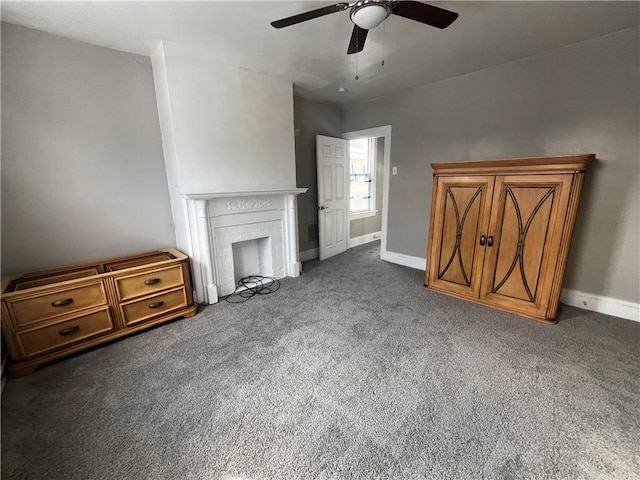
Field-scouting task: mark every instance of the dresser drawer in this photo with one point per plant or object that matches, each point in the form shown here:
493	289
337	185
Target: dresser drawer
153	306
42	340
33	309
149	282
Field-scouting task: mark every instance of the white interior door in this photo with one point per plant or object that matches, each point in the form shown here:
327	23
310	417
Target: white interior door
333	195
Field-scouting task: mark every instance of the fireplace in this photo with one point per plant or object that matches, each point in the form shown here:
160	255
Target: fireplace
233	234
252	257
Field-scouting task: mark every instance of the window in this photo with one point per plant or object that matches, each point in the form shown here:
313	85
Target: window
362	169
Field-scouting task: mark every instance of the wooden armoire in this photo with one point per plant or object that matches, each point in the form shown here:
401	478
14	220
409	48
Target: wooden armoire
500	231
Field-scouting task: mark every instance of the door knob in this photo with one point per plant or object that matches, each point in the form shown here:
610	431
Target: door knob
483	240
490	241
321	208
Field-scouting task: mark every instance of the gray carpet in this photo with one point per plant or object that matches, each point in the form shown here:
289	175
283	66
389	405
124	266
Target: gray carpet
353	370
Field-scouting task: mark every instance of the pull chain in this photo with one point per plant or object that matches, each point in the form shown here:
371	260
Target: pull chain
357	76
384	37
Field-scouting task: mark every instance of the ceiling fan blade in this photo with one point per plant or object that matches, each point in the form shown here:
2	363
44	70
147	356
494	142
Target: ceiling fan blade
310	15
423	13
358	36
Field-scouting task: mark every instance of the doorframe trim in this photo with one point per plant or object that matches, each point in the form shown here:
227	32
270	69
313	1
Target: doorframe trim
382	131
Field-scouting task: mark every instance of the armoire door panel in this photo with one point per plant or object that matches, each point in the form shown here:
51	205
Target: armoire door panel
459	234
525	239
525	225
463	204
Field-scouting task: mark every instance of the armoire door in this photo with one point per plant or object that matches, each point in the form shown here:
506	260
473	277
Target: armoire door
461	217
523	240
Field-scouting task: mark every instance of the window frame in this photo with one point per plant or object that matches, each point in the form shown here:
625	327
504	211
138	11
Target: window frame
371	166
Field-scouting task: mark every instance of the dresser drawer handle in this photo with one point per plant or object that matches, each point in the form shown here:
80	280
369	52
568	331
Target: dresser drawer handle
62	303
156	305
152	281
69	331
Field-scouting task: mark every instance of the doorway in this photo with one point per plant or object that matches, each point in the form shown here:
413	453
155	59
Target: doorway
369	169
353	186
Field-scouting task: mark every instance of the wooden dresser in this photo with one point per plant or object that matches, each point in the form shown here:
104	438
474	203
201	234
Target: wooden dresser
500	231
52	313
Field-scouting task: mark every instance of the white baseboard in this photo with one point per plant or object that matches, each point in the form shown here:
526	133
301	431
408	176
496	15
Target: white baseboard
601	304
310	254
575	298
314	253
370	237
406	260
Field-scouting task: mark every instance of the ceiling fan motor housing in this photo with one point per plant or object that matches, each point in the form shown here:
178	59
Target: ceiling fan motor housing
368	14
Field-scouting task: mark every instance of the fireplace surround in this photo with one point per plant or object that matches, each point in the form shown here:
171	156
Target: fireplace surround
219	223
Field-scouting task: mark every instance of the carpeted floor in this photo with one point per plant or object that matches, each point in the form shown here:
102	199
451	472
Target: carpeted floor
353	370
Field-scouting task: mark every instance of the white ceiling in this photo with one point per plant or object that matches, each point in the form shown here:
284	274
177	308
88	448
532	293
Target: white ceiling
313	54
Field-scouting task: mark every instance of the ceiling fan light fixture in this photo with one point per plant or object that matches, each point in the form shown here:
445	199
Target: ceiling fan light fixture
369	14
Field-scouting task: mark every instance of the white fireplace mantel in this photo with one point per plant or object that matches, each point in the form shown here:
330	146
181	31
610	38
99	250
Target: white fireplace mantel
245	193
215	219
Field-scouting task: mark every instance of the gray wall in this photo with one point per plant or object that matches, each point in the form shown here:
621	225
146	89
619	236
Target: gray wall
82	166
579	99
368	225
311	119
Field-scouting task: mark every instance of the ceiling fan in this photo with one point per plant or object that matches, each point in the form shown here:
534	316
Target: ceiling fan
368	14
